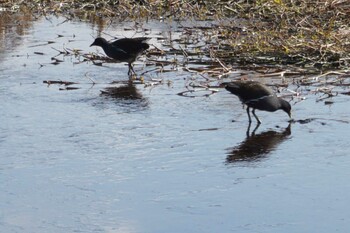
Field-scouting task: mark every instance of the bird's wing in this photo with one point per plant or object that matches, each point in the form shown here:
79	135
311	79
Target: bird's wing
119	49
132	45
125	42
141	39
248	90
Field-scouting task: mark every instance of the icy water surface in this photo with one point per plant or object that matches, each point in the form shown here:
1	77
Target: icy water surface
146	160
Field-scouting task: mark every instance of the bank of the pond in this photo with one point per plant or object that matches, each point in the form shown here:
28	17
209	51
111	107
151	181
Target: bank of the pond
312	34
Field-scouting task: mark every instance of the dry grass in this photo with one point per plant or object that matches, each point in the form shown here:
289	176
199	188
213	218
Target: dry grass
311	34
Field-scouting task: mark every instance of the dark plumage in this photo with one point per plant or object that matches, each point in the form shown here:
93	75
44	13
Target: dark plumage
257	96
123	50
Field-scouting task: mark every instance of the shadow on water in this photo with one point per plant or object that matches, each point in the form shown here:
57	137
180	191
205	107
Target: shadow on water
322	121
256	147
126	95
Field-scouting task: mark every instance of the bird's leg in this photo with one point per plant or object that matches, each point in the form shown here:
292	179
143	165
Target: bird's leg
131	70
250	119
256	117
256	127
248	130
253	133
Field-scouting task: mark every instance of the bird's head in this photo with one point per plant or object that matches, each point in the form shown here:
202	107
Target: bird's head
285	106
99	41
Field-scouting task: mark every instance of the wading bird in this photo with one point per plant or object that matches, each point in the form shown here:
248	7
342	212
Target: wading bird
123	50
257	96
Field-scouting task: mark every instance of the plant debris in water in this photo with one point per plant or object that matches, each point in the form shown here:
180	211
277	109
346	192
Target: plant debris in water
270	38
305	33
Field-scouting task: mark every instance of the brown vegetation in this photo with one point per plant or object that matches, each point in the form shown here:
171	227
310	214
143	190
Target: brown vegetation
299	32
307	40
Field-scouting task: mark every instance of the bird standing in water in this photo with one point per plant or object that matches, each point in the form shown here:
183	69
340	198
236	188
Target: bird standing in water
257	96
123	50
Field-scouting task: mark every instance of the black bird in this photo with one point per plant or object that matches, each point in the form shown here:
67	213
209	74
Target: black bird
123	50
257	96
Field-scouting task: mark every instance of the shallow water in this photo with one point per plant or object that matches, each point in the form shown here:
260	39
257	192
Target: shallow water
150	160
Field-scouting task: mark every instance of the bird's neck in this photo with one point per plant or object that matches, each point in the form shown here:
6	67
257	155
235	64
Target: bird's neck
105	45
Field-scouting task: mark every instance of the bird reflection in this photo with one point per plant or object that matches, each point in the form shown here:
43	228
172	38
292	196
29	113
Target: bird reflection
257	146
126	94
127	91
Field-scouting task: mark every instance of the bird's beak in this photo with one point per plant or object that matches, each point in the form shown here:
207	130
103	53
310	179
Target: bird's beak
290	115
92	44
